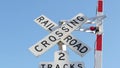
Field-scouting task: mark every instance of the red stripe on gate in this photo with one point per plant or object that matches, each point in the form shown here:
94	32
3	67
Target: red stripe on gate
99	42
100	6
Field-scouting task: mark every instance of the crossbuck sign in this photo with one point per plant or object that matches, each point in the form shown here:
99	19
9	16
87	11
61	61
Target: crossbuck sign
60	34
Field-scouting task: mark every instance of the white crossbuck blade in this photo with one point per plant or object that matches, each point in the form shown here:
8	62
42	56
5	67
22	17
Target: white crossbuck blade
60	34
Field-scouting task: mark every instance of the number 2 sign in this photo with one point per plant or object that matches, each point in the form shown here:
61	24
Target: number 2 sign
61	56
61	61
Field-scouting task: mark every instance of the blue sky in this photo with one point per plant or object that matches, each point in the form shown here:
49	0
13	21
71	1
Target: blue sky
18	31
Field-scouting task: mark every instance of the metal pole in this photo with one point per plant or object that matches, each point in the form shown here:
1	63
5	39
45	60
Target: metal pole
61	45
98	46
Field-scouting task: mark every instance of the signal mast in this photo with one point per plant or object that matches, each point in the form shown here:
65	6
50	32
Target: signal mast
99	34
98	31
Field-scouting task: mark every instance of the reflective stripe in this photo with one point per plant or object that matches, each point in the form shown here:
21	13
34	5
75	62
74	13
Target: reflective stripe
100	6
99	42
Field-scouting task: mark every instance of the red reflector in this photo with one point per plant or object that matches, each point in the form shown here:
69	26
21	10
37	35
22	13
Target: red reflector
92	28
100	6
99	42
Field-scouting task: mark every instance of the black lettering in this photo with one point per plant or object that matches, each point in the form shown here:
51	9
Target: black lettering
83	49
80	66
49	66
80	18
37	48
69	25
45	23
65	29
52	38
43	65
74	22
50	28
78	46
57	66
41	18
49	25
62	56
68	38
72	65
59	34
73	42
65	65
45	43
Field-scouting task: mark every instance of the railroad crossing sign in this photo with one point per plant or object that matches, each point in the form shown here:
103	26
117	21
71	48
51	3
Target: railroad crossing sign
62	33
61	61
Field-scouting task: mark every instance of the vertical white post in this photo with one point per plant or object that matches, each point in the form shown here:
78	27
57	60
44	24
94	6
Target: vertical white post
98	46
